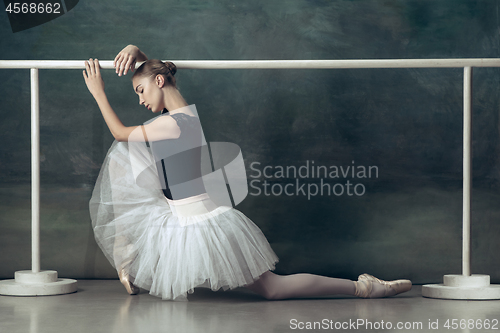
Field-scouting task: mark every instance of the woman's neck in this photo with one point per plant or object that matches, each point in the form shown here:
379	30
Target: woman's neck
173	99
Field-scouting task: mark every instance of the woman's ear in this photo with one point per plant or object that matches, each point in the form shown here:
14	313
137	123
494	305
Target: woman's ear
160	81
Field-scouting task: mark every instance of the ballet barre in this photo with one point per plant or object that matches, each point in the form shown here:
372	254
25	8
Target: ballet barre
272	64
464	286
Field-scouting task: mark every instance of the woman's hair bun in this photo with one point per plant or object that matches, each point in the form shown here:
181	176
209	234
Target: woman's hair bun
171	67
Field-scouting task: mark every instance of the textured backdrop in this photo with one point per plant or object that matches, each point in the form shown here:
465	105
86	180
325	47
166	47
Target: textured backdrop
405	122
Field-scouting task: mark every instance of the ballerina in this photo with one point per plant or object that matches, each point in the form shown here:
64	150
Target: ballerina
164	233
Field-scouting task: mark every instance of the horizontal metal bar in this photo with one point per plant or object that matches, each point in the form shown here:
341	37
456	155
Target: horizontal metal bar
272	64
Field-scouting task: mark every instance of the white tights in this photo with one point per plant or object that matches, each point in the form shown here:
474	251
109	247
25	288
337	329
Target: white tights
273	286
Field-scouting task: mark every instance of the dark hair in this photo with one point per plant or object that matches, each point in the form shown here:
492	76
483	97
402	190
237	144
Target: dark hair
153	67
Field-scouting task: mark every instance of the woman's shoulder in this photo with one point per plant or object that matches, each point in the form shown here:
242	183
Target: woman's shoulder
173	118
185	120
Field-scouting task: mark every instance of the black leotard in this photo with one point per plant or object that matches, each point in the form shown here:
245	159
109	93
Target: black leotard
178	160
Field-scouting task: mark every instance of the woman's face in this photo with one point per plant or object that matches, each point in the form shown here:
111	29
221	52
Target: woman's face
150	94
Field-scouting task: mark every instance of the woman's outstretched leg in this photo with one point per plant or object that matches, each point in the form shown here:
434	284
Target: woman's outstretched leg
273	286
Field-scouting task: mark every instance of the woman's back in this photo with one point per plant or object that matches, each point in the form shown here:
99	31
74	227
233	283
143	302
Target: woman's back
178	161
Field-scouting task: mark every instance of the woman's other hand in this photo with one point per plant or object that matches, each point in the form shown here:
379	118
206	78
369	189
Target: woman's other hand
93	77
126	59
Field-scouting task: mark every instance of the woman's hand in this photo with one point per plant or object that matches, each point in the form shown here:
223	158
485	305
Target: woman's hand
126	59
93	77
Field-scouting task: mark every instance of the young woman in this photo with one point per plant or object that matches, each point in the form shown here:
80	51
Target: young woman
155	221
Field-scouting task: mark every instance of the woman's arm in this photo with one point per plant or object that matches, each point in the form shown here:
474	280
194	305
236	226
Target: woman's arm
125	60
160	129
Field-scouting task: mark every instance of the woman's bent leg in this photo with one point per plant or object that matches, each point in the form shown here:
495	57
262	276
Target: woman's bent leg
273	286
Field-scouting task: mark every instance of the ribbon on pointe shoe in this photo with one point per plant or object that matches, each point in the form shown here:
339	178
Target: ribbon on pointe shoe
363	288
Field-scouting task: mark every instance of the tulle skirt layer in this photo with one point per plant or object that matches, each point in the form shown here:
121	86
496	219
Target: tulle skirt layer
170	247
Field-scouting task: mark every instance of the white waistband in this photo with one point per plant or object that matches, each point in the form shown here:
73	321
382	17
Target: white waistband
188	200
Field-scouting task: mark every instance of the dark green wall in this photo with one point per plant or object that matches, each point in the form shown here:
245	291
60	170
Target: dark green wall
407	122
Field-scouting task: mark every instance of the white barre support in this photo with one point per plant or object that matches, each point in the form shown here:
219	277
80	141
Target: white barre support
36	282
35	172
465	286
467	170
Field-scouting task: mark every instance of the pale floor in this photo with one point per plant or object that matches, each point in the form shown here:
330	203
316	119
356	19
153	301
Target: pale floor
104	306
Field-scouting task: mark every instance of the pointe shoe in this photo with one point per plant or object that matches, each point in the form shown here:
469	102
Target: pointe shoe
124	279
391	287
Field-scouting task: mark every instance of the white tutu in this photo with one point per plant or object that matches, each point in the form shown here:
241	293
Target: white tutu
170	247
